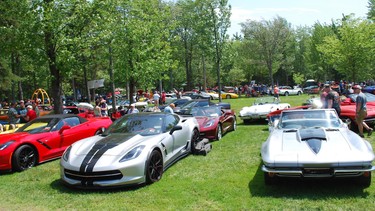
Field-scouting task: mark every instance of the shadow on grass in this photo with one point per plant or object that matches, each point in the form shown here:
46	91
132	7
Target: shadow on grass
310	189
58	185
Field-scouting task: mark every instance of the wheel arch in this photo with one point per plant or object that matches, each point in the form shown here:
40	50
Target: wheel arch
25	144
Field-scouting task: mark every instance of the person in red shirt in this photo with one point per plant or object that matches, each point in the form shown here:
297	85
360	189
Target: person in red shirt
31	114
276	93
163	97
115	115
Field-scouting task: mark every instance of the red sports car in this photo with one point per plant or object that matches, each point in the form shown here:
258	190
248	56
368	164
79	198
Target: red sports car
214	121
45	138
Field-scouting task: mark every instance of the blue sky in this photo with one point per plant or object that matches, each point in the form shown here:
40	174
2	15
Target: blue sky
296	12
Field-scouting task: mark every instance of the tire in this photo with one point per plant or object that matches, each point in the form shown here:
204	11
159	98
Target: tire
228	97
154	167
286	94
299	93
24	158
234	124
195	138
219	133
246	121
100	131
270	180
365	180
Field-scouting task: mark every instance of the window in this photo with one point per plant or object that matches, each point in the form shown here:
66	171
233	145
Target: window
171	121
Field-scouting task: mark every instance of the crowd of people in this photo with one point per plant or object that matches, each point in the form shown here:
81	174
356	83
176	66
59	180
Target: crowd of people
20	112
330	97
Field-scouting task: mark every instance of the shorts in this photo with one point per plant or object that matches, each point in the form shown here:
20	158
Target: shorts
361	115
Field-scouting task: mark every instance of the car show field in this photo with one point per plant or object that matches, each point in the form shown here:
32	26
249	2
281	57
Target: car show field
230	177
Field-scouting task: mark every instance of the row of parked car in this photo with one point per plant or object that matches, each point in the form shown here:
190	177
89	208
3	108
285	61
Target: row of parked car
138	148
135	149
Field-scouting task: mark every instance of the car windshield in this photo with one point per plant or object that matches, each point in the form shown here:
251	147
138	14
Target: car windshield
370	97
309	118
211	111
264	100
39	125
137	124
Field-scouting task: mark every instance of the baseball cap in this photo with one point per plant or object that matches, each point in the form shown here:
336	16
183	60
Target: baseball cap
30	106
357	87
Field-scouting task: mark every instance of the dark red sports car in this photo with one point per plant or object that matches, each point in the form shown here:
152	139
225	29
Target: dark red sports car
214	121
45	138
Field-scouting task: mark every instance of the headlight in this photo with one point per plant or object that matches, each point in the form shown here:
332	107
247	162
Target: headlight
5	145
209	123
134	153
67	153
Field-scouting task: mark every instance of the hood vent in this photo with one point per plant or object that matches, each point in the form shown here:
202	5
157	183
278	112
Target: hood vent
313	137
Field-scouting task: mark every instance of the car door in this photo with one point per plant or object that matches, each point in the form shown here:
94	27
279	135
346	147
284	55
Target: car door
77	131
178	139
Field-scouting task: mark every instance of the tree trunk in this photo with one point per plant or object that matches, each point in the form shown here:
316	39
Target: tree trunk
54	71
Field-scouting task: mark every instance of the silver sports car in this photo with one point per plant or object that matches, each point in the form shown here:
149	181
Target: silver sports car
315	143
135	149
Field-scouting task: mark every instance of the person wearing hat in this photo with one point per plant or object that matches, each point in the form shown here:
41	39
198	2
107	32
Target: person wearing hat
132	109
22	111
361	111
31	114
332	99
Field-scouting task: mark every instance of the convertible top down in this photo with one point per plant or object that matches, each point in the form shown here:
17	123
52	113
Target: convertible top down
315	143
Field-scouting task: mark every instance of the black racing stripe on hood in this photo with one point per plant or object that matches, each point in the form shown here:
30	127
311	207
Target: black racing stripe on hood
100	148
312	133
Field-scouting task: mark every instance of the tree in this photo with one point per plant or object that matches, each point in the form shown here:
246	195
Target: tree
268	40
371	12
352	55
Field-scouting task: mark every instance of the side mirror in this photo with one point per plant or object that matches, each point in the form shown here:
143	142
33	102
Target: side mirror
177	127
64	127
273	125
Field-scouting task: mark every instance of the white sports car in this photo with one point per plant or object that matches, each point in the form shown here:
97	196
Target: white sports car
261	108
135	149
315	143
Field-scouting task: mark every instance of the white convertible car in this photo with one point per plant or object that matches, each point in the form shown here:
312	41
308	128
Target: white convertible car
261	108
136	149
315	143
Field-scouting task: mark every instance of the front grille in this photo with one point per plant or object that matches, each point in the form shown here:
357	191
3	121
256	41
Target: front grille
93	176
318	171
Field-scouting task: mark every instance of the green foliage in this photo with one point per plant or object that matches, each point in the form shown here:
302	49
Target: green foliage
269	39
352	52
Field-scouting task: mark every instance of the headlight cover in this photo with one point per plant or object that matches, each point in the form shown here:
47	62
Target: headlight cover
209	123
5	145
132	154
67	153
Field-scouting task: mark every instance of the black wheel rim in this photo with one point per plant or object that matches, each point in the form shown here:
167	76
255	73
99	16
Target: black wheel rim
26	158
155	167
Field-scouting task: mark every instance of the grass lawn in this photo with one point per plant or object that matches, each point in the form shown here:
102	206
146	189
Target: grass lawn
228	178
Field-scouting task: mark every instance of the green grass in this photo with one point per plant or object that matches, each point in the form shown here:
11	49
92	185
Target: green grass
228	178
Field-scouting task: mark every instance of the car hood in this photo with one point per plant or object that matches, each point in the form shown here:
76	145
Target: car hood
266	108
317	145
12	136
203	120
116	144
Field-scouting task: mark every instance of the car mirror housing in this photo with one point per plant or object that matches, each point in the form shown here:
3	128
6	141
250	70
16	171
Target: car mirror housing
64	127
177	127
